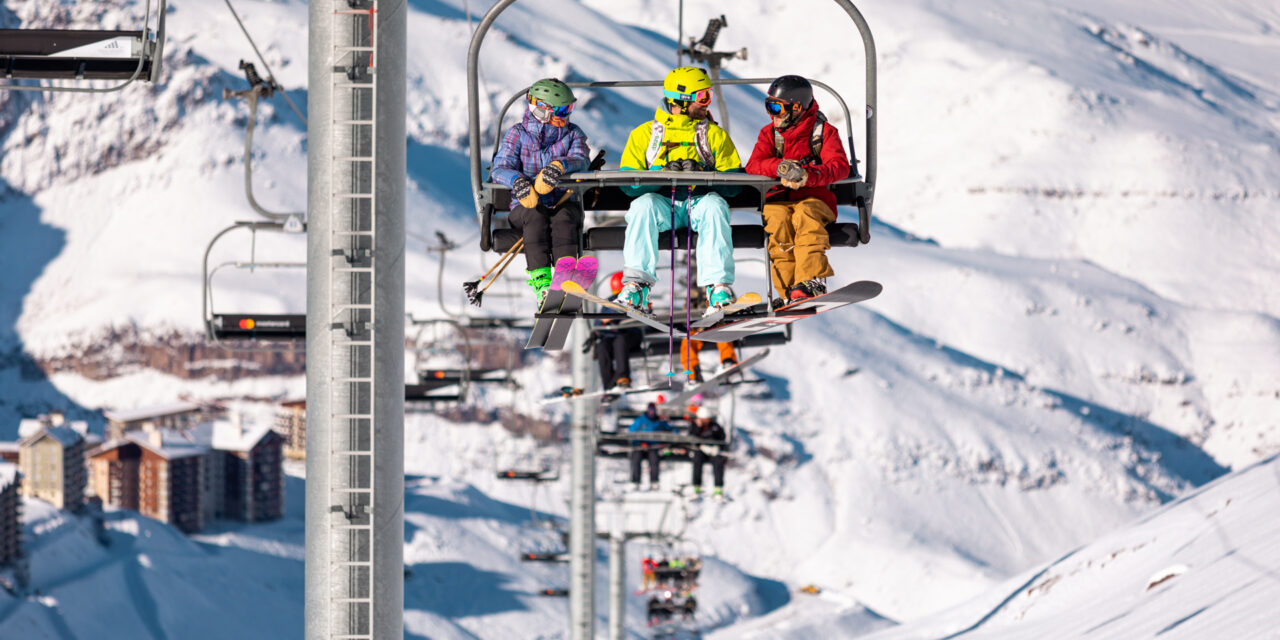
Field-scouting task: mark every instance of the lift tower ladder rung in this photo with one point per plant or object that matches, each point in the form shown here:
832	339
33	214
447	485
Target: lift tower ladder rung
353	382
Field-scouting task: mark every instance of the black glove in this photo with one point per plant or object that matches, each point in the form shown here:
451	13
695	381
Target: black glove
682	165
549	177
522	191
791	171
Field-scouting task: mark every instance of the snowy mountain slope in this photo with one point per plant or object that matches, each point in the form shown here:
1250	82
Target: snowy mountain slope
1093	121
1204	566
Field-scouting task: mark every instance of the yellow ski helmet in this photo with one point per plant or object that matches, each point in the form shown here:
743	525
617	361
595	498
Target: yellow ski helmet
684	83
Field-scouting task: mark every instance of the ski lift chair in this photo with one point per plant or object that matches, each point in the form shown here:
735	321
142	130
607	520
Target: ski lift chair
245	328
83	54
601	190
617	442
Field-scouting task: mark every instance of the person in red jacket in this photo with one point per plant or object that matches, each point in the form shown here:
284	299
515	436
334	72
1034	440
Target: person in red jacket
796	214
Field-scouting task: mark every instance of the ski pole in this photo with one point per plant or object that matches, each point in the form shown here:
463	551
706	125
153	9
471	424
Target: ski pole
688	291
475	296
671	316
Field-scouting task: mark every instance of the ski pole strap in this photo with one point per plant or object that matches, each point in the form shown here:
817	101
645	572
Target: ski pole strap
504	262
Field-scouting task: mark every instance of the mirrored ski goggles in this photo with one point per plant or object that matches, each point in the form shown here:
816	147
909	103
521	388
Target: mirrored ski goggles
777	107
559	112
698	97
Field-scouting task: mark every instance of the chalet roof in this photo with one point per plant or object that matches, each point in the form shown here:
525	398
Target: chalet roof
65	436
8	474
28	427
225	435
151	412
11	446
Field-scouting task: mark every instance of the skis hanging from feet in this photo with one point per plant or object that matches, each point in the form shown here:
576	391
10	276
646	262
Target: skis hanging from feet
580	272
849	294
575	291
744	301
553	303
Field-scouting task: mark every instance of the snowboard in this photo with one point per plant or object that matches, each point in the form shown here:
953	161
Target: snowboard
844	296
744	301
575	291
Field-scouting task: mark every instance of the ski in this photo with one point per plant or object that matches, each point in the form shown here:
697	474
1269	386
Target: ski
568	393
744	301
550	333
575	291
714	381
849	294
542	326
582	274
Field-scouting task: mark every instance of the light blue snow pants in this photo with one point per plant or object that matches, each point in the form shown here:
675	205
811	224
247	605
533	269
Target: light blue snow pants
650	214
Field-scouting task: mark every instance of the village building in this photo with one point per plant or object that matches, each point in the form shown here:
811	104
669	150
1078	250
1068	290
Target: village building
160	473
10	514
52	464
252	471
215	470
291	422
9	452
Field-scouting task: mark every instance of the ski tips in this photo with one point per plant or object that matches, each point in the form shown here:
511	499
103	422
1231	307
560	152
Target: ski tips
572	286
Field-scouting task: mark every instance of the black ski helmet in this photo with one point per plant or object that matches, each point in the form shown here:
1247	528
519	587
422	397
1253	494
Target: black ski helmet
792	89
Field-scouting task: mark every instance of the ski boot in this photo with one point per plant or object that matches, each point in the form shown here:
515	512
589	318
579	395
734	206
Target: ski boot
718	297
636	296
808	289
540	280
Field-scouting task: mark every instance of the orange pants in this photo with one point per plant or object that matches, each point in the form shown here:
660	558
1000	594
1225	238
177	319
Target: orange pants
689	353
798	241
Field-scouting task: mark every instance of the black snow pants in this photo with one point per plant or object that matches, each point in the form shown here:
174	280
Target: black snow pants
638	454
549	234
612	353
717	467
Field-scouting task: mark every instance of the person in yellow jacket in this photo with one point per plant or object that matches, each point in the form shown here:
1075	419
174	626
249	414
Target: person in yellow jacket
681	137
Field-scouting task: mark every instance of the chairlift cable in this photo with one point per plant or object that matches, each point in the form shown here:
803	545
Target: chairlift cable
271	76
142	58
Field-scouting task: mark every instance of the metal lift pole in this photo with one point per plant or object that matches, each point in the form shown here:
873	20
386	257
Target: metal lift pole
617	579
355	320
582	502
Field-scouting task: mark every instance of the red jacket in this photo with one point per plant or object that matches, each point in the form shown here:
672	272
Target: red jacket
795	143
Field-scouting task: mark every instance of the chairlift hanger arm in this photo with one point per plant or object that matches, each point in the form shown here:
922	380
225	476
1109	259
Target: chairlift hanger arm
83	54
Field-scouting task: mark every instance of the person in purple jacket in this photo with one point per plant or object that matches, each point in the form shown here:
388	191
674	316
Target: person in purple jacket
534	154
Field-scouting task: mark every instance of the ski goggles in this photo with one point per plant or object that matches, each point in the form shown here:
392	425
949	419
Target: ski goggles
777	107
559	112
697	97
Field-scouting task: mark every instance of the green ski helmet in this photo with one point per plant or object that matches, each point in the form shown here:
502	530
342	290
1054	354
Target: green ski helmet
551	101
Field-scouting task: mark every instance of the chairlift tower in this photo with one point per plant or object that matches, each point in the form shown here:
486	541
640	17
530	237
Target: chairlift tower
355	320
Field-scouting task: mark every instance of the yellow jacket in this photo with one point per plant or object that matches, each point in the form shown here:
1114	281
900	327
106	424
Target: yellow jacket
681	130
